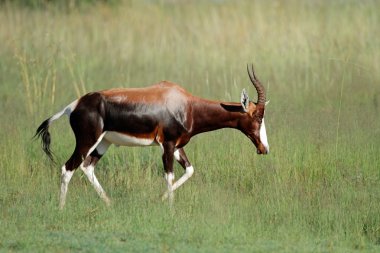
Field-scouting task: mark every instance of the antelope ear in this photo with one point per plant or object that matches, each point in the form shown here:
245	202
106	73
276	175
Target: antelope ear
244	100
232	107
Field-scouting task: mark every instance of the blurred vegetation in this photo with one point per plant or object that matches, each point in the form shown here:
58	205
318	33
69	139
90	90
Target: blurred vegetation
58	5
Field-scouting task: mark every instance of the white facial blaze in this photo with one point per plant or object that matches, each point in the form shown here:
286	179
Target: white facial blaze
263	136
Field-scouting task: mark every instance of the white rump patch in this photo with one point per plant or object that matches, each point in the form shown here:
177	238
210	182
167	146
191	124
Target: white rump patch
127	140
263	136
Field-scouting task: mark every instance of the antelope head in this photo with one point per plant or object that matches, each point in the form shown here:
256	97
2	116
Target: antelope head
252	124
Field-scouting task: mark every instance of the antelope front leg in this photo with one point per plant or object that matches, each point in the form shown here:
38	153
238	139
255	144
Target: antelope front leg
181	158
168	159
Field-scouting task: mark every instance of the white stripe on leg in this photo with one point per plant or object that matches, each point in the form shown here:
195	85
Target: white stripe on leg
169	177
89	172
189	172
172	187
96	144
176	155
65	179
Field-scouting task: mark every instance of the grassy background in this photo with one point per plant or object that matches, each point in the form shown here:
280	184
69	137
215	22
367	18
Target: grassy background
318	190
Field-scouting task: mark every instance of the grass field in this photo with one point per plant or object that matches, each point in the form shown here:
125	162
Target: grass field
318	190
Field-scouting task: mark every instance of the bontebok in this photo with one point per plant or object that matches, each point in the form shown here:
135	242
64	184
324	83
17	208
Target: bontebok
163	114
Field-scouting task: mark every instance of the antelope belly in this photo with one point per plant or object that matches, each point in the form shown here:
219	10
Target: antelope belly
127	140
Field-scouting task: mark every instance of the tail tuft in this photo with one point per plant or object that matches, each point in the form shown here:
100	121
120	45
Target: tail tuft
43	133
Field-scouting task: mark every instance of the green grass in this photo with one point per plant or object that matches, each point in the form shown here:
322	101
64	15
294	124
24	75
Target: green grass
318	190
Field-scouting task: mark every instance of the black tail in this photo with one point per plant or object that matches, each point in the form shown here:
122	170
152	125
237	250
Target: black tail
43	133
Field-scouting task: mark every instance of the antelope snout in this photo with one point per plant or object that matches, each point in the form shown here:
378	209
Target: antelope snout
263	152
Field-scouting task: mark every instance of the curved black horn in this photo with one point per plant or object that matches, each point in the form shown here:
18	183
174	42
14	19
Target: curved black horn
259	87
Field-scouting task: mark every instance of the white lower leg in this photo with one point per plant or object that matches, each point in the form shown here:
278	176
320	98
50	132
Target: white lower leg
189	172
172	187
169	177
89	172
65	179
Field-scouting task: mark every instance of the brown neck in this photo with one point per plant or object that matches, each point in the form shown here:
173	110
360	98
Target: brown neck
211	115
